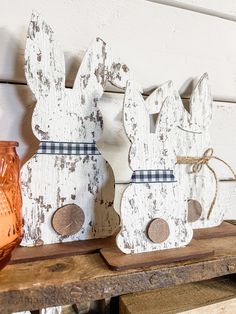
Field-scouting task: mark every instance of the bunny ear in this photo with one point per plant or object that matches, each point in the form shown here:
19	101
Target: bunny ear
135	114
166	119
94	70
119	74
201	104
155	101
44	61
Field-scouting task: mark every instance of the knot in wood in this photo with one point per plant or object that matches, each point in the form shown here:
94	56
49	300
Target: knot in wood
231	267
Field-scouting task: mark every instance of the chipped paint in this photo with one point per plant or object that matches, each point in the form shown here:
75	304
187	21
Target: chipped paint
66	115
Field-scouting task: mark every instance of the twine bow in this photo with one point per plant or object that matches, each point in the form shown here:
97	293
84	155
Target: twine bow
198	163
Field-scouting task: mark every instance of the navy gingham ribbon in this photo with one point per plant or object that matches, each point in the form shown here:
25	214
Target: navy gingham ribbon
67	148
152	176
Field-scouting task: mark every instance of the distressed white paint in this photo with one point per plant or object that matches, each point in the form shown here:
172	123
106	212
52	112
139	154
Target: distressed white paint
187	43
192	139
67	115
151	148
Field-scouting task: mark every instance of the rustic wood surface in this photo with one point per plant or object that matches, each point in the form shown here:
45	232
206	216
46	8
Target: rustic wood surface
86	277
211	296
117	260
224	230
58	250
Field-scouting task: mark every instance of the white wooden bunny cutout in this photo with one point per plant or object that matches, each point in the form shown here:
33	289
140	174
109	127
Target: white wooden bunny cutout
192	141
67	186
153	208
207	204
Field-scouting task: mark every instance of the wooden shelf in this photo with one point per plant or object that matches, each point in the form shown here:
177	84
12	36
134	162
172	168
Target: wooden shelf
33	285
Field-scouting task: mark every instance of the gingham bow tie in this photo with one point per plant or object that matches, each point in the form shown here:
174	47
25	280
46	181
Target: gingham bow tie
67	148
152	176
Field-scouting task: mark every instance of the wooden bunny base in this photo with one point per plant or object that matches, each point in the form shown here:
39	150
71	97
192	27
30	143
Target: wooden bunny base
224	230
116	260
59	250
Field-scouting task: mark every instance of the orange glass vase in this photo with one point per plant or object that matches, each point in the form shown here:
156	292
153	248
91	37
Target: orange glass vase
10	201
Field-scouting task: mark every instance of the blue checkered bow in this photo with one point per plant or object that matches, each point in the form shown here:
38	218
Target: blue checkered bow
153	176
66	148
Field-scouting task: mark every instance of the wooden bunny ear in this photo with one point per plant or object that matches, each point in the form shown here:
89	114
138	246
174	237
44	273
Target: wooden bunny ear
119	74
166	120
156	99
94	70
201	104
44	61
135	114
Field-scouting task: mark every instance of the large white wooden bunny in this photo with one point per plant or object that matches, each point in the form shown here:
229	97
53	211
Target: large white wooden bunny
67	186
192	141
153	209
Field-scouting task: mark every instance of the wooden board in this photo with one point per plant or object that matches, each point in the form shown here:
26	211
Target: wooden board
117	260
83	278
210	296
183	49
224	230
59	250
225	9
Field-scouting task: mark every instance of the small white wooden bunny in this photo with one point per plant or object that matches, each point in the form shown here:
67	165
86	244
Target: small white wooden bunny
192	139
153	208
67	186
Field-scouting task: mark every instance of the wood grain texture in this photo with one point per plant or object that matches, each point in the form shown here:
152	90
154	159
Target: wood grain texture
116	260
68	220
210	296
152	148
59	250
84	278
223	230
180	53
67	115
158	230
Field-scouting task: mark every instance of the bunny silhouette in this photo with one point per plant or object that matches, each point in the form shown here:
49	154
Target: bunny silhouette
153	209
67	186
192	139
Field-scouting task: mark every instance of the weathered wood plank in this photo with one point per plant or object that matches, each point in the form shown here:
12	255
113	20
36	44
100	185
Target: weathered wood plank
224	9
210	296
84	278
187	43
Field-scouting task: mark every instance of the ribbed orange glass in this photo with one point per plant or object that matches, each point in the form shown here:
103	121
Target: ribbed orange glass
10	201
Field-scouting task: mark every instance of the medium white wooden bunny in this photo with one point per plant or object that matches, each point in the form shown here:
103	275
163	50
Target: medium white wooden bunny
67	186
153	209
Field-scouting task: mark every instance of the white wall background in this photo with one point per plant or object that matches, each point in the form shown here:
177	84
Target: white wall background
178	40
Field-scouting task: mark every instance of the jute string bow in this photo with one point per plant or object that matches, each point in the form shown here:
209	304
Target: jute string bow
198	163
